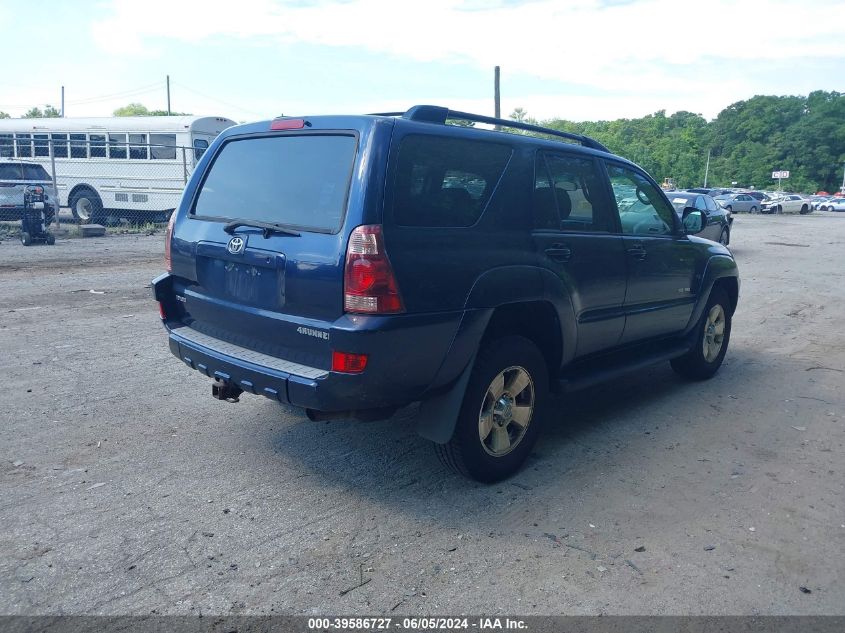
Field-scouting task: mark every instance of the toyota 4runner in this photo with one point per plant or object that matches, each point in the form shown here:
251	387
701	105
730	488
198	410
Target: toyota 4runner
352	265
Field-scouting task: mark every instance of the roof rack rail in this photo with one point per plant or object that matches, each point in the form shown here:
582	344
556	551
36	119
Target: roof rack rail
439	114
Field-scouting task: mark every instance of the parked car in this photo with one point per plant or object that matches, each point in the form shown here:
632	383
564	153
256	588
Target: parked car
760	196
15	177
788	203
825	203
717	220
835	204
351	265
738	202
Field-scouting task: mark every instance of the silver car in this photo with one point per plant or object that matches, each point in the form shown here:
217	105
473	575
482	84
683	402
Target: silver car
15	177
738	203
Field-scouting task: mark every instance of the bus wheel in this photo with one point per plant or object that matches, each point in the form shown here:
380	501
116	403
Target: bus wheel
86	206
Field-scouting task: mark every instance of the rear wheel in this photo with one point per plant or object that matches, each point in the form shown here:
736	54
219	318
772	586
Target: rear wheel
502	411
26	238
712	335
753	210
86	206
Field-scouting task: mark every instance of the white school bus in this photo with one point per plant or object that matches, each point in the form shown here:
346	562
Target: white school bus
115	166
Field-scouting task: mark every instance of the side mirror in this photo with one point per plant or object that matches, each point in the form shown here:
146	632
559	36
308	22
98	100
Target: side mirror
693	220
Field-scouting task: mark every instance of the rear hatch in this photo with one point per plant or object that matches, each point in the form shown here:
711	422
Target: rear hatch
259	241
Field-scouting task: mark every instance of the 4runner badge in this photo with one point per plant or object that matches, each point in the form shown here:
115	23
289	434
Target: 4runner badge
307	331
236	245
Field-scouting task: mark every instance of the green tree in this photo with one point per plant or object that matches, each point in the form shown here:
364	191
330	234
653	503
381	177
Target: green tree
4	115
139	109
49	112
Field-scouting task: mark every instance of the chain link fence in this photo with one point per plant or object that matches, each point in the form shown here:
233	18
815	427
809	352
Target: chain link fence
110	179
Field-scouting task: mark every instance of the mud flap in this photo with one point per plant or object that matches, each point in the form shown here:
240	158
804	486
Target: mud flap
438	415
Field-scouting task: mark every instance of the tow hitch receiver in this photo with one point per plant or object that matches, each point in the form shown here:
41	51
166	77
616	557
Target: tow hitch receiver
223	390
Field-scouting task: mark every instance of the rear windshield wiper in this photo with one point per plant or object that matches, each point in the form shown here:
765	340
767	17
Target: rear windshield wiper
266	227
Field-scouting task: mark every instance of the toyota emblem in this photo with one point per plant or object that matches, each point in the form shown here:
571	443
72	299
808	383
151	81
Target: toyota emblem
236	245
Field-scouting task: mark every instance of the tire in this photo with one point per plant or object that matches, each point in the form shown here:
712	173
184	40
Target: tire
804	210
86	206
502	366
725	237
51	239
26	238
753	210
697	364
778	209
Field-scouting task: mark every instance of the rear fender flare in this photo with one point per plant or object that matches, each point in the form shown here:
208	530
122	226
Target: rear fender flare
439	411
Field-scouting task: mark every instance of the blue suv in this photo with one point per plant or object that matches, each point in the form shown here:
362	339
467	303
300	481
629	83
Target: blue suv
352	265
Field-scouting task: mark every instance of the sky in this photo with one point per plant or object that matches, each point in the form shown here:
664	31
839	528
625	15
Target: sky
571	59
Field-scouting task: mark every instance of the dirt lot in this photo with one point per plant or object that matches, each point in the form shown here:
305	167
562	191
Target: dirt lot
124	488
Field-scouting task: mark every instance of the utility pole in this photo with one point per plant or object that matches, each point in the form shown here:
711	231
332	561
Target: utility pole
168	95
63	102
842	189
707	168
497	105
497	94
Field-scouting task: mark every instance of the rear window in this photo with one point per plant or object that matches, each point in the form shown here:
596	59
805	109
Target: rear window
680	202
445	182
34	172
11	171
299	181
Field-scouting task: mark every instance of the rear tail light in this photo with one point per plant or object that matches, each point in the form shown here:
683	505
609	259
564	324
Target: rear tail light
161	311
168	237
347	363
369	283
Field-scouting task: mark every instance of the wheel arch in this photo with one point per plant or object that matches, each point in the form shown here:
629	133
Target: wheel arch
77	189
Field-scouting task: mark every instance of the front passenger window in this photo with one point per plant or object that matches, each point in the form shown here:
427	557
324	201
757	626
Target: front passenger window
642	208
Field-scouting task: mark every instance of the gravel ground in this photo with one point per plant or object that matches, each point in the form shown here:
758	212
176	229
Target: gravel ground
125	489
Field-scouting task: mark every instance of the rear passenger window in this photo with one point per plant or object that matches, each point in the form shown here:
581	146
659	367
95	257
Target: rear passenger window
445	181
567	191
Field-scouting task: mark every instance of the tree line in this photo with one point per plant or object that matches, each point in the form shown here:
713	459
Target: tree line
747	141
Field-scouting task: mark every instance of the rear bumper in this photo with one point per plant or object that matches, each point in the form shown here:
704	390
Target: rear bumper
406	355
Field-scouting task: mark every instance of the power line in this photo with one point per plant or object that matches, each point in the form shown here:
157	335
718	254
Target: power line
88	100
220	101
118	95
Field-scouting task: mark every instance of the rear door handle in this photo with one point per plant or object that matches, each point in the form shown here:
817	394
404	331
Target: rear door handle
637	252
559	252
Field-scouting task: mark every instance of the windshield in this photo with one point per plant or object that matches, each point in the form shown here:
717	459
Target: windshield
298	181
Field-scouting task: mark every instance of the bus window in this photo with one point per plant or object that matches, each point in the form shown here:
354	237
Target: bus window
23	144
59	145
138	146
98	145
117	145
7	150
162	146
200	145
78	146
42	144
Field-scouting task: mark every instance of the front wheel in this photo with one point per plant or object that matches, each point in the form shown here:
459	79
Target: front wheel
502	411
753	210
712	335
